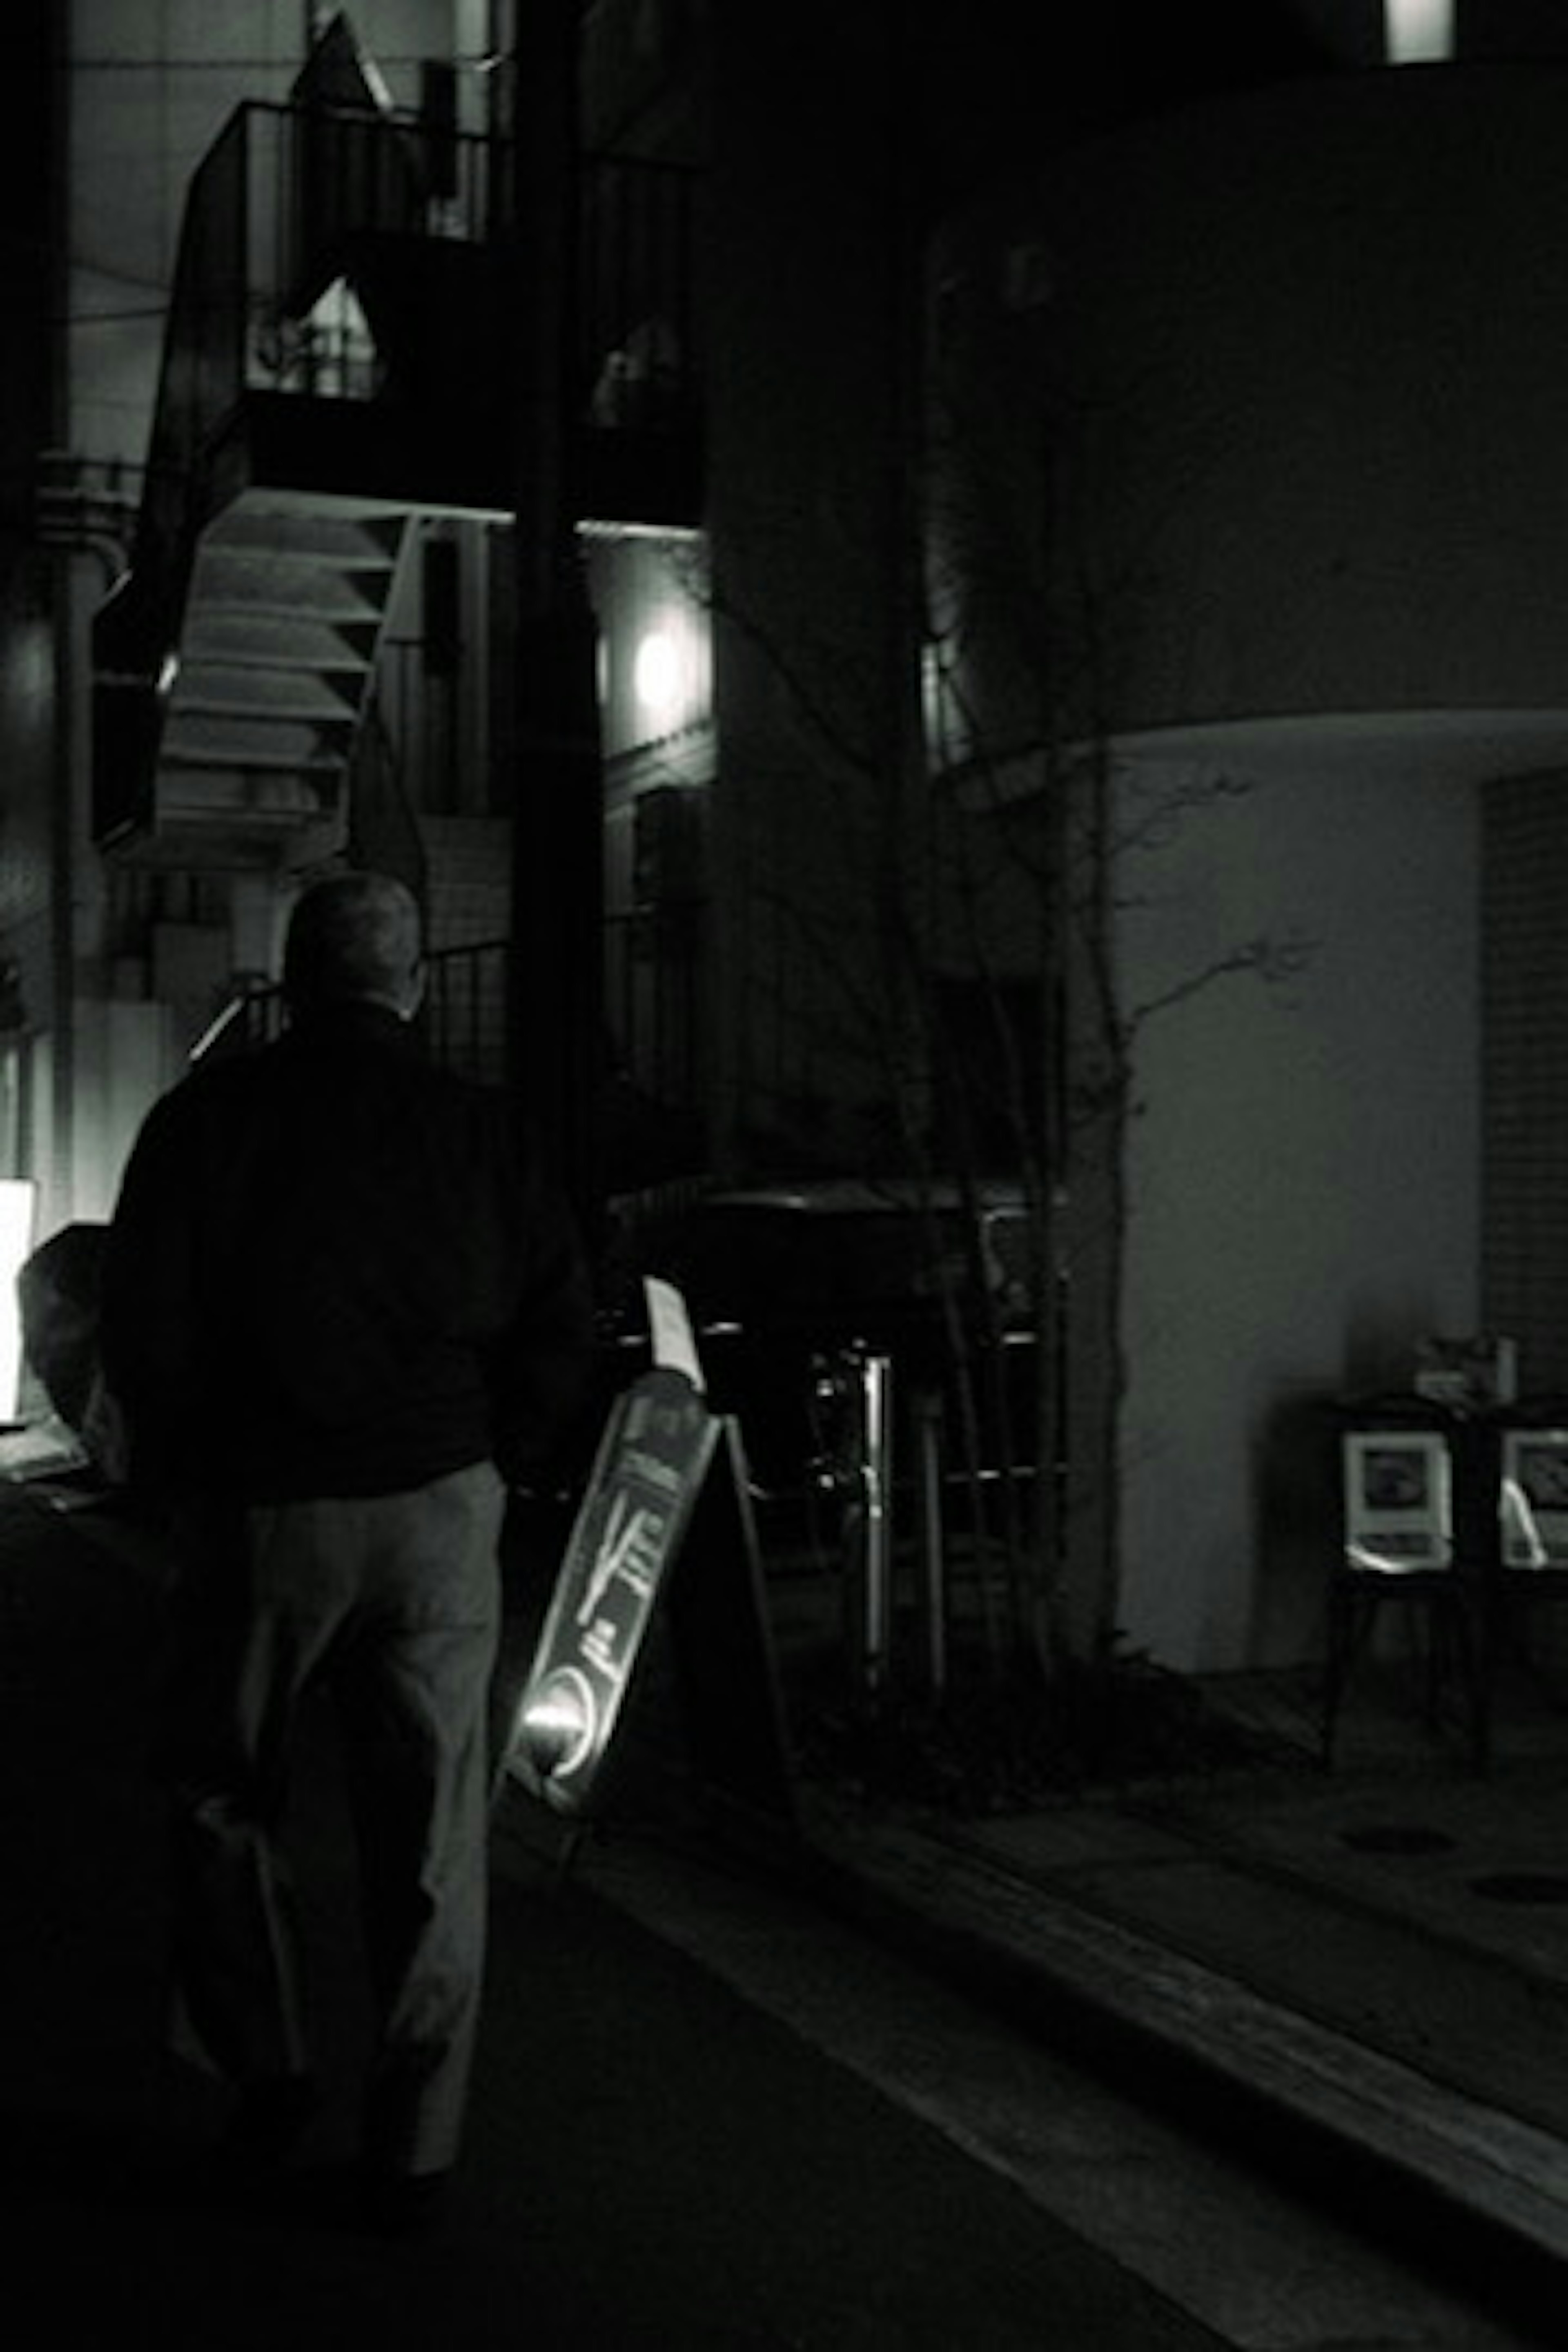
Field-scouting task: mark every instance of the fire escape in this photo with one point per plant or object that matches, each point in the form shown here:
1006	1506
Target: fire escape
338	361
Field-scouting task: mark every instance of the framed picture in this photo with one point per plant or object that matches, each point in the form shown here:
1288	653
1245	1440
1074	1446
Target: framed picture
1399	1501
1532	1499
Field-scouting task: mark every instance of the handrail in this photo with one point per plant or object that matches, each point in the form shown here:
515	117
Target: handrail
378	786
452	1014
467	1009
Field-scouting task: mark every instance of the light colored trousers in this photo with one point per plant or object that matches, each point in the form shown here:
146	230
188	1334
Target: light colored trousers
394	1602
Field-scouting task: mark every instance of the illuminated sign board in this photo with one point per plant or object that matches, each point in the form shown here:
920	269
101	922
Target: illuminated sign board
1534	1499
652	1462
667	1506
1399	1501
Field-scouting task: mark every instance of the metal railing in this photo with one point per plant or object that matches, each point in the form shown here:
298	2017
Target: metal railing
283	218
653	999
385	812
652	1009
462	1018
297	250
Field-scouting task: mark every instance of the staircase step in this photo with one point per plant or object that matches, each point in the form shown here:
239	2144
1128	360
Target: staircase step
230	577
216	794
307	534
242	634
203	739
288	597
263	694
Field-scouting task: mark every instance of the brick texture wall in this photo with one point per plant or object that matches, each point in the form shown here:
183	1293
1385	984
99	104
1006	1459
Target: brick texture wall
1525	1072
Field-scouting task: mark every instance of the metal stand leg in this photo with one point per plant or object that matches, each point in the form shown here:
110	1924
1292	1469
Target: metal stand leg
1455	1652
868	1520
927	1417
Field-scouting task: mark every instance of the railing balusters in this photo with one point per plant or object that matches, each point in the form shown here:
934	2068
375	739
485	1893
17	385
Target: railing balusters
653	1013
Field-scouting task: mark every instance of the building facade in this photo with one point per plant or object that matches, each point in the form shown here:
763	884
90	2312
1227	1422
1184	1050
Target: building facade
1265	371
839	566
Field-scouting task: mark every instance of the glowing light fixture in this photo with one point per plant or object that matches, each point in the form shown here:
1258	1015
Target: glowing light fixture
1418	32
657	674
16	1204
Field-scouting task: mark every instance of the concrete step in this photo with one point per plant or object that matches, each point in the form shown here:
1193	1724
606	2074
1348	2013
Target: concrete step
1375	2126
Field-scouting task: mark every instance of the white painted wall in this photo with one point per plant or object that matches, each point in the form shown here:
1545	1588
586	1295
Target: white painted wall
127	1055
1304	1178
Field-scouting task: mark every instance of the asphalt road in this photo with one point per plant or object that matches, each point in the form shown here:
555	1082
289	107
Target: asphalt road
653	2160
706	2116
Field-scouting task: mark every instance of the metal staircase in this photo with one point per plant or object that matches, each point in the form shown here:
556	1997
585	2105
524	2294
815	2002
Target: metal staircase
283	618
289	449
339	359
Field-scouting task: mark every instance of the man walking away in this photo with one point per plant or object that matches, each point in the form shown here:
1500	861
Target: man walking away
342	1309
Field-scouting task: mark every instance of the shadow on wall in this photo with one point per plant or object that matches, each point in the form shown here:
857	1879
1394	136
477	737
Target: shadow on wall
1381	1340
1295	1516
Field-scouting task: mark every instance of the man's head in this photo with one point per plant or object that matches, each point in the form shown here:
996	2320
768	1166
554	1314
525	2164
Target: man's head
354	938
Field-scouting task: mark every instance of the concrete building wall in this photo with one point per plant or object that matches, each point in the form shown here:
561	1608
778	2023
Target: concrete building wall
126	1054
1304	1179
1525	871
152	83
1271	380
33	717
800	396
1314	393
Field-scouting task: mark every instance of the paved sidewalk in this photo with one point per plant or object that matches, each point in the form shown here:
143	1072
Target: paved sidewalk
1364	1973
1360	1977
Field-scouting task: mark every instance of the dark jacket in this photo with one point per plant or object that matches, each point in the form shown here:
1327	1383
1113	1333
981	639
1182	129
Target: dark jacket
331	1271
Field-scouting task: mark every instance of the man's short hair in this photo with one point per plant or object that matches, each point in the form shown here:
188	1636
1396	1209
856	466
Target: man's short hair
353	938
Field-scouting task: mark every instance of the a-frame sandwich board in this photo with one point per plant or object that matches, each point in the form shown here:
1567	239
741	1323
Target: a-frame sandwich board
665	1518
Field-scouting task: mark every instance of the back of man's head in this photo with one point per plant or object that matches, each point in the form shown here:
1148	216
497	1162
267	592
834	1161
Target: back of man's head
353	938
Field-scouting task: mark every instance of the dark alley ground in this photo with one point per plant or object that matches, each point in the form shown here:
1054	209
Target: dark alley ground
842	2105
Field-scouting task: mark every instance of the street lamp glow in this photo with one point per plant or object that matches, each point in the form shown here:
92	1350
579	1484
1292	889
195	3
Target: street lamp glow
655	674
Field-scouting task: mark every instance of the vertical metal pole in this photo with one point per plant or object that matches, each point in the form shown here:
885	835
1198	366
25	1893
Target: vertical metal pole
71	673
927	1419
556	1027
877	1474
